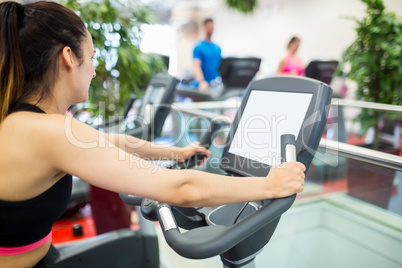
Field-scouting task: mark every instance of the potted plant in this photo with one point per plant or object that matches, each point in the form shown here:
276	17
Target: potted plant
243	6
375	62
122	69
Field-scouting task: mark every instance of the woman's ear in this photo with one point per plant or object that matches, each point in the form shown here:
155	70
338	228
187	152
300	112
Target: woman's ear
67	58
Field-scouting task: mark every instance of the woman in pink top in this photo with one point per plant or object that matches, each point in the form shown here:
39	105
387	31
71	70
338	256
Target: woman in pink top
291	64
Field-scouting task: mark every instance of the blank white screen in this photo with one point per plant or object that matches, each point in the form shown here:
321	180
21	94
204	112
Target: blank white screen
268	115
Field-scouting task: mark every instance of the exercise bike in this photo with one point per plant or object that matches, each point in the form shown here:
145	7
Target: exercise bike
290	115
298	107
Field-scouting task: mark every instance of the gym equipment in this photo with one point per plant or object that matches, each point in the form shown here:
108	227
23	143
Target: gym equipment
205	141
144	118
236	74
275	112
321	70
125	247
155	107
144	121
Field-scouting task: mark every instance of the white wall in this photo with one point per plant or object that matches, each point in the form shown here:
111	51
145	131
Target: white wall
323	32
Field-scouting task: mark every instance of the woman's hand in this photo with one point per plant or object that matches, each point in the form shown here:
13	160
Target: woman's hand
286	179
203	85
188	151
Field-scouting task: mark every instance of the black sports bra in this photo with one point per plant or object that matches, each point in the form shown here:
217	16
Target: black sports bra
26	222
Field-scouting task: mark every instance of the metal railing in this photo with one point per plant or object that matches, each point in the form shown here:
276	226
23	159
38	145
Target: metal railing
367	105
333	147
362	154
335	101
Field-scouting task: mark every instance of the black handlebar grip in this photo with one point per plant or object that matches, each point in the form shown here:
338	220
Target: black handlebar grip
194	160
205	141
209	135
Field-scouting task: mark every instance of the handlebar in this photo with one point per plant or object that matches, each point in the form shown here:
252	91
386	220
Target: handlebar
212	240
209	241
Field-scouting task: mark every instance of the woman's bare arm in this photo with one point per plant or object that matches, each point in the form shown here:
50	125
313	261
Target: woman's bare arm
151	151
281	66
80	150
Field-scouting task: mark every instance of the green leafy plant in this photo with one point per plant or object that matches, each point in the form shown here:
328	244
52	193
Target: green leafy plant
243	6
375	59
121	68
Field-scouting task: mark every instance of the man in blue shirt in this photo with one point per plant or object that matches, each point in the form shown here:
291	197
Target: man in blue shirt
207	56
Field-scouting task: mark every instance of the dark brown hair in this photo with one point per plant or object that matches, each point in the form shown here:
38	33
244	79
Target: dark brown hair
207	20
31	38
292	40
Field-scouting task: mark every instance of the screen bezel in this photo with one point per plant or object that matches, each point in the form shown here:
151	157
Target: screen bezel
272	142
321	95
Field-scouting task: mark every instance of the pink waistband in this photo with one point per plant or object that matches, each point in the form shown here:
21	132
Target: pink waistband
24	249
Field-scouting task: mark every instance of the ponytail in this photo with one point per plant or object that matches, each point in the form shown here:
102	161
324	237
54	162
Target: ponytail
11	67
31	38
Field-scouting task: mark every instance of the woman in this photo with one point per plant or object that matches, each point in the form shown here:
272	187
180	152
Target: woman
291	64
45	66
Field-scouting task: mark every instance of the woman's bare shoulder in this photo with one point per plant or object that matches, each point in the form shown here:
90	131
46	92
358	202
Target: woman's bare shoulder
42	132
31	125
25	139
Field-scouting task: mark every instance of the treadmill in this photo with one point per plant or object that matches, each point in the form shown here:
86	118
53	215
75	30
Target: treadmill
235	72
